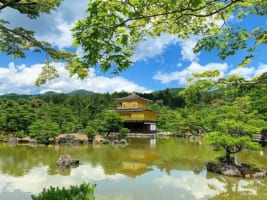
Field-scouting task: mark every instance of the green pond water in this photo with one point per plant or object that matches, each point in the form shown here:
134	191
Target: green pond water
147	169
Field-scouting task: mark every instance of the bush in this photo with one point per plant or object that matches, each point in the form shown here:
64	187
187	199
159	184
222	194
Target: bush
20	134
106	141
124	132
84	191
42	130
90	132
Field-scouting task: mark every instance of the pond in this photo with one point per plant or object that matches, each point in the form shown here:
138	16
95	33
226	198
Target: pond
146	169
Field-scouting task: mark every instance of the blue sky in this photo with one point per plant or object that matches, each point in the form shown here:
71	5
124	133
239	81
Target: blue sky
160	63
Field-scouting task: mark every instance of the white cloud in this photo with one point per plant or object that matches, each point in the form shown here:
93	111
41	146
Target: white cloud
198	186
261	69
183	75
249	72
245	72
63	36
187	48
152	47
202	188
20	79
37	179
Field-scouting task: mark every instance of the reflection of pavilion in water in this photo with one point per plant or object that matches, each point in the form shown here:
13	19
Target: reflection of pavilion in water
138	162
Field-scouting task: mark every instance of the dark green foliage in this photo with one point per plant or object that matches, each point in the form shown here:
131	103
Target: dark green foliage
16	115
43	130
231	115
169	97
124	132
234	127
85	191
170	121
108	122
90	132
20	134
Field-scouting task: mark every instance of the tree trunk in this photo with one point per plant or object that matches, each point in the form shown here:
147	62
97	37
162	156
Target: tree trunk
235	157
227	156
107	134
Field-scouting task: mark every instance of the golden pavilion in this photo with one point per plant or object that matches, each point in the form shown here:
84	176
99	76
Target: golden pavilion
136	114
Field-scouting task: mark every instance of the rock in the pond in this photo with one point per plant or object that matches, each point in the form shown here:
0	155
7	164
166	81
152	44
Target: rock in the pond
242	170
115	142
123	141
66	161
196	170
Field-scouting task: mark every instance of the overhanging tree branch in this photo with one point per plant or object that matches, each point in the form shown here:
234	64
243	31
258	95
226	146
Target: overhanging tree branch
183	12
7	3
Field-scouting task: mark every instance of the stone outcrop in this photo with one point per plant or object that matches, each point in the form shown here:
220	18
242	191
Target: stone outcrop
241	170
12	140
77	138
65	161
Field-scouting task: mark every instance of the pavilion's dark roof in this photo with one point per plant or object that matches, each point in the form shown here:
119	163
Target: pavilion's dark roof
135	110
133	96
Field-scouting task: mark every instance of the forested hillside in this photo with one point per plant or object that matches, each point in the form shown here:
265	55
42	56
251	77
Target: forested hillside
67	113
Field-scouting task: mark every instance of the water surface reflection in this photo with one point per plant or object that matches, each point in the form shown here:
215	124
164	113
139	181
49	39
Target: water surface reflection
165	170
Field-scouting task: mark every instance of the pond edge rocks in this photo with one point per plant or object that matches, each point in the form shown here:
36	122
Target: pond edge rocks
241	170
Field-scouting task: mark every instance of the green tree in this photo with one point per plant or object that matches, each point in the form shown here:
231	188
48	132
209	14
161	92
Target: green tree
201	85
16	41
222	111
195	121
170	121
123	132
234	128
61	115
43	130
90	132
16	117
108	122
112	29
256	89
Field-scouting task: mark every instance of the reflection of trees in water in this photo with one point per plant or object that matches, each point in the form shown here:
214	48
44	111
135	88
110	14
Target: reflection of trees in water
16	160
132	160
169	154
256	158
182	154
236	188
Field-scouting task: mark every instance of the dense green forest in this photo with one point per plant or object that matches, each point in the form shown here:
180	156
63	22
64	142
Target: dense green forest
234	106
54	113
